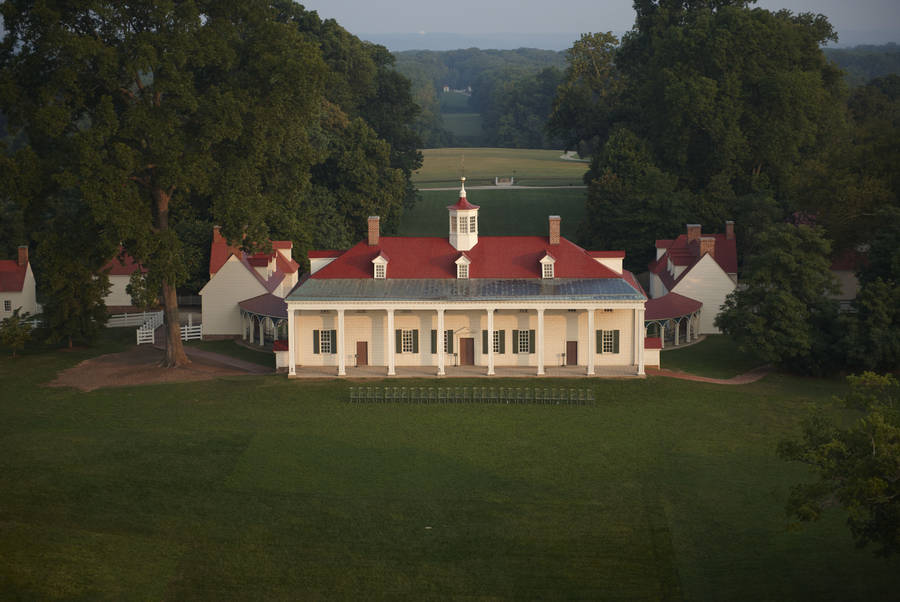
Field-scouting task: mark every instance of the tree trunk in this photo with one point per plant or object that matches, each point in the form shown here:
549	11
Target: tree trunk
175	355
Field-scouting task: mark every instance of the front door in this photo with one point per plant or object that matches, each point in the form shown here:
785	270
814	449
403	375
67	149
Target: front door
571	353
467	352
362	353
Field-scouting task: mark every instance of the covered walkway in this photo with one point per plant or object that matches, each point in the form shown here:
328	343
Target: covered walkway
674	318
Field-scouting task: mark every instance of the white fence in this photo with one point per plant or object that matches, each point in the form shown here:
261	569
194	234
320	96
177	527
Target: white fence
123	320
191	331
147	332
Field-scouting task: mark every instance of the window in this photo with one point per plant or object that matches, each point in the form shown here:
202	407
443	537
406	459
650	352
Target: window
607	311
325	342
453	223
407	341
498	341
498	338
473	224
380	271
463	225
462	271
547	270
607	341
7	305
522	344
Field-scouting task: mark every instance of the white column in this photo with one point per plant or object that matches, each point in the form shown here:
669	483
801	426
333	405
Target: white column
292	337
262	340
539	342
635	347
640	318
390	342
591	336
244	326
490	340
342	370
677	330
440	340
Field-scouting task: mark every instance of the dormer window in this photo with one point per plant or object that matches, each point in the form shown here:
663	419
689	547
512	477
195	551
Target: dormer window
547	266
462	266
473	224
380	266
463	225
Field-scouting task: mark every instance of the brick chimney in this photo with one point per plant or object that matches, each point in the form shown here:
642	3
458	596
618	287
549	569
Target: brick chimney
374	230
693	232
729	229
708	245
218	239
23	256
554	229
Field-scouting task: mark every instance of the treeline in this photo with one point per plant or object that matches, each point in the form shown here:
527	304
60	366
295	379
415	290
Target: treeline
864	63
511	89
713	111
151	122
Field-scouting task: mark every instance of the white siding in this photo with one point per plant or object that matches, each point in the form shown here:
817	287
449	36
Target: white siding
317	263
613	263
707	283
26	298
230	285
657	288
117	296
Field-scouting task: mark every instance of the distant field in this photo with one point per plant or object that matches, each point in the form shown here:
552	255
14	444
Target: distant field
503	212
454	102
480	165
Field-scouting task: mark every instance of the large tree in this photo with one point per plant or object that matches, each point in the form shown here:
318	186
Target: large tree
141	106
856	466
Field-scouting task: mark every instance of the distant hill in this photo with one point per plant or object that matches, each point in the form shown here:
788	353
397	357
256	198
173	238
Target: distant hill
398	42
864	63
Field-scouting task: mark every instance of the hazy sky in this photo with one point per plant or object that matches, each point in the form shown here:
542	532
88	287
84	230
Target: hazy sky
560	16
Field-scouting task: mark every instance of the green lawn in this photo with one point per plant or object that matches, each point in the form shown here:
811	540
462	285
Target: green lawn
444	166
260	487
454	102
231	348
717	356
503	212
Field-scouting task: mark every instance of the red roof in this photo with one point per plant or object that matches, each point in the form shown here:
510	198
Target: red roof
683	253
265	305
12	276
279	345
493	257
670	305
123	264
221	251
849	261
463	203
607	254
653	343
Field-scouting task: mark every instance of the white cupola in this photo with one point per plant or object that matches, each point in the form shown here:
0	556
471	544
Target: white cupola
463	221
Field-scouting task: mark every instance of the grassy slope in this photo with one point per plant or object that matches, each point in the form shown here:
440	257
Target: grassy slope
717	356
261	487
503	212
532	167
231	348
463	125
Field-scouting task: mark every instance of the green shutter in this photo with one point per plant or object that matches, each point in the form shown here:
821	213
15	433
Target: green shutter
484	347
530	341
334	341
434	341
600	341
315	341
502	341
615	341
416	341
515	341
449	335
398	340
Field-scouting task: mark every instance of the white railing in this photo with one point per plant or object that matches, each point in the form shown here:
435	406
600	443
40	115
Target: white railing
191	331
123	320
147	332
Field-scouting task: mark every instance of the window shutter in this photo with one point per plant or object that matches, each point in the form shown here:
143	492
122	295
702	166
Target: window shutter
530	341
449	335
434	341
502	341
515	341
416	341
334	341
315	341
600	342
615	341
398	342
484	347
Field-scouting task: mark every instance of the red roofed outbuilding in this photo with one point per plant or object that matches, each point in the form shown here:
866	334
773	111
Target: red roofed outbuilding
17	287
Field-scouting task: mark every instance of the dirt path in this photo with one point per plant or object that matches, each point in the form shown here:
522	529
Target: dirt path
741	379
140	366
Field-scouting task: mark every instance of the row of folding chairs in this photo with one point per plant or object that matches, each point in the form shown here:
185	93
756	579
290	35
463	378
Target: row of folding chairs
504	395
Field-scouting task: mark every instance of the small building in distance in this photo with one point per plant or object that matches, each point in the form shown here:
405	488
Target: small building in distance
699	266
17	287
119	269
